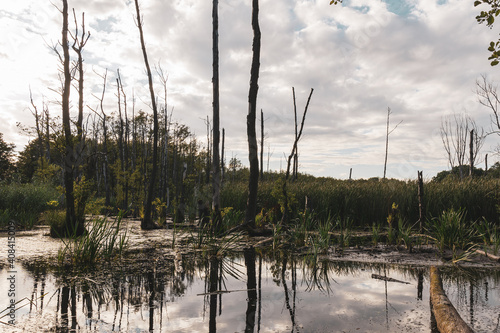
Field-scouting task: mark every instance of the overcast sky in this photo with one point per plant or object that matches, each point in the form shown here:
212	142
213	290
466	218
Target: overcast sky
421	58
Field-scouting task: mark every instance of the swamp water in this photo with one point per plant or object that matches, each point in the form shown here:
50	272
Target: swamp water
242	292
248	294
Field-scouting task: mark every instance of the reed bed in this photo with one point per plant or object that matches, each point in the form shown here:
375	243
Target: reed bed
366	202
23	203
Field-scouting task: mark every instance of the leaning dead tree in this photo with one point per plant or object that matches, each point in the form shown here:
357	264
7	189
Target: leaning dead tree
147	221
286	214
253	182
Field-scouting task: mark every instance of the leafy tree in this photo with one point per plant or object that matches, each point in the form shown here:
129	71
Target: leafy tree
6	152
488	17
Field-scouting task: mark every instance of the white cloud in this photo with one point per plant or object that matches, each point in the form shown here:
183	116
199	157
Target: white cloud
418	57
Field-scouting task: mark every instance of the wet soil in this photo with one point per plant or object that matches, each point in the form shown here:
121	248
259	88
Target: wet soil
146	246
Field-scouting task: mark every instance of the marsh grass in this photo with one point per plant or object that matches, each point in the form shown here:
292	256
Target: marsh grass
103	241
369	201
23	203
451	230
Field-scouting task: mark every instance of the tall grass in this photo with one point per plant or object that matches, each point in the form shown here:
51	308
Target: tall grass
369	201
103	241
452	230
23	203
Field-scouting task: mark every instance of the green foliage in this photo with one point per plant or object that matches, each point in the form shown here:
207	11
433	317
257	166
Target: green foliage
451	230
6	153
46	172
488	17
102	242
23	203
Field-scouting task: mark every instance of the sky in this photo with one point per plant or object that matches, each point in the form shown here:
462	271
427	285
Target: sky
420	58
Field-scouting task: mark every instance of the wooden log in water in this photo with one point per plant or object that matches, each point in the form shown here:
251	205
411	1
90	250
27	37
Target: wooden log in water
447	318
489	255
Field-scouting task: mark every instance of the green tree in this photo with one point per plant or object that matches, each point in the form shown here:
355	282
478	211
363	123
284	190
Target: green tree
6	152
488	17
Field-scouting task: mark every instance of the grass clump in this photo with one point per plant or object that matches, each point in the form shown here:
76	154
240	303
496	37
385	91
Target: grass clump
103	241
452	231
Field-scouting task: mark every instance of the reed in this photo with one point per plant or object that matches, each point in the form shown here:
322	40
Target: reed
370	201
23	203
103	241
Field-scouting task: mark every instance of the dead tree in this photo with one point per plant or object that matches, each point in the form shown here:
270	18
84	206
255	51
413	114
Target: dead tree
253	182
73	225
420	199
286	214
147	221
261	145
387	139
79	43
216	178
454	133
102	115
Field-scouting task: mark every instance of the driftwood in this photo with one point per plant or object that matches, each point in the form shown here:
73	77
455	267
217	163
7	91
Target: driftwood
447	318
388	279
489	255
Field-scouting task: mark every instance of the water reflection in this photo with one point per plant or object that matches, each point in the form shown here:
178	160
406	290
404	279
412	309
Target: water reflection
250	293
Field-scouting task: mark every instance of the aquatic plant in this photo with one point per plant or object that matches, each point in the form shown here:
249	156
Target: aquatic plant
452	231
103	241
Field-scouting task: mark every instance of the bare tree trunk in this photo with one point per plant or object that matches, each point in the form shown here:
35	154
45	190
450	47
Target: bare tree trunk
72	224
222	158
47	132
387	139
261	145
38	129
78	45
471	152
420	198
216	133
285	218
295	160
147	222
253	182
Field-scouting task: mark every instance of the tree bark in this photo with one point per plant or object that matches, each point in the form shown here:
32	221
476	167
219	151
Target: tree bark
216	133
253	182
147	221
73	226
447	318
261	145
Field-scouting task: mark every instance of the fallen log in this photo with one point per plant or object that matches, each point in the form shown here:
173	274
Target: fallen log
489	255
447	318
388	279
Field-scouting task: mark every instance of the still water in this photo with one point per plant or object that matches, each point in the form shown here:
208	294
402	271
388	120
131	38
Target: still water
246	293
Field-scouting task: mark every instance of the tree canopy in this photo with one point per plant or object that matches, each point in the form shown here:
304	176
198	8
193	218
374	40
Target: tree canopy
6	154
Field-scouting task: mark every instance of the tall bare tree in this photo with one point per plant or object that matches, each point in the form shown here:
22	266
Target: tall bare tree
388	132
73	225
487	94
286	216
216	178
147	221
253	182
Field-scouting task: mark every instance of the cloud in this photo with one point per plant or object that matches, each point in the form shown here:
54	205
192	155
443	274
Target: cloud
421	58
